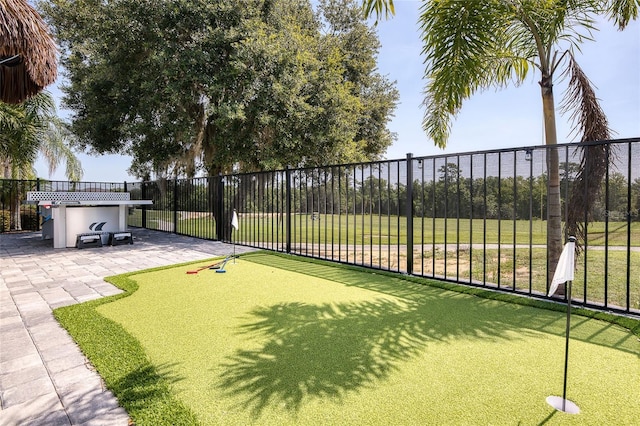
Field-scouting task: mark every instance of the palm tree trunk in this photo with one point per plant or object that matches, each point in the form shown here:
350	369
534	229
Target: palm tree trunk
6	171
554	209
16	219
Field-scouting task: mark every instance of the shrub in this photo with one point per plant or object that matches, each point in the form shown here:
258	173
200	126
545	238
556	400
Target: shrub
5	220
29	220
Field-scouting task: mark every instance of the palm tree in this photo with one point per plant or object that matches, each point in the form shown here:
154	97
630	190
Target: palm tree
470	46
29	129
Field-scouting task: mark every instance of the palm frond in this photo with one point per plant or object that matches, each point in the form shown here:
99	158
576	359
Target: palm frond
31	128
465	51
581	102
552	23
579	24
369	7
623	11
437	122
590	120
18	136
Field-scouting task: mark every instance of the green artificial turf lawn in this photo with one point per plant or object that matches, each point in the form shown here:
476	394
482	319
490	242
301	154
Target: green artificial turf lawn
278	340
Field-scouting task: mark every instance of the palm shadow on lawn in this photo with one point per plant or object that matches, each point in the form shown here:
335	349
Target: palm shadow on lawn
145	382
516	316
329	350
145	392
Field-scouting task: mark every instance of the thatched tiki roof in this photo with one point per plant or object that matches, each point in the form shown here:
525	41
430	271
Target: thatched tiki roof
27	52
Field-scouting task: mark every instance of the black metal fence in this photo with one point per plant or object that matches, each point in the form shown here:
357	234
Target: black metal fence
474	218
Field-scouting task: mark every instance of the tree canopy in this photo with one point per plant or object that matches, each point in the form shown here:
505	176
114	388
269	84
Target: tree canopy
189	85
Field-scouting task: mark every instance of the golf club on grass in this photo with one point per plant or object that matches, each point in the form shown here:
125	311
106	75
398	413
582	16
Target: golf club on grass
212	266
221	264
220	269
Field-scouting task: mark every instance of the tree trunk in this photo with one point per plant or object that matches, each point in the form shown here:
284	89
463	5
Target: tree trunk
554	208
16	219
6	171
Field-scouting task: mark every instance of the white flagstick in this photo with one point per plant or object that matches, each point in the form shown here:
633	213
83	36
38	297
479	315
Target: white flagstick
234	225
564	273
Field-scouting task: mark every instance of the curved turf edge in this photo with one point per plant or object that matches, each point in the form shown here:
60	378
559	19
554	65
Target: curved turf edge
121	361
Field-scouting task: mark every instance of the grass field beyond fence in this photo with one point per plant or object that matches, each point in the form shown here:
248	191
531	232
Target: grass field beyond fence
608	278
389	229
277	340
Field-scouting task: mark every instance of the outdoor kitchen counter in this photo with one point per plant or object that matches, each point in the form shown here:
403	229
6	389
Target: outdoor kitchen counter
75	213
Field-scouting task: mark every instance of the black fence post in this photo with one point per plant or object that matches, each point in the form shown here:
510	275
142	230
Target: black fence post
629	215
143	191
288	209
38	208
409	206
219	207
175	205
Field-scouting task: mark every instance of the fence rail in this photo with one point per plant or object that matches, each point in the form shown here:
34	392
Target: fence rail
475	218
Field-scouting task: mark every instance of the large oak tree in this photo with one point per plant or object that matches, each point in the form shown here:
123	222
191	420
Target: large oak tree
189	85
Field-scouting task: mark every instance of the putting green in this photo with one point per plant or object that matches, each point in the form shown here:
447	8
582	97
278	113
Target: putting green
280	341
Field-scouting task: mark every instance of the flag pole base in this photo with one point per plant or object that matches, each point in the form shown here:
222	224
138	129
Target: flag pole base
563	405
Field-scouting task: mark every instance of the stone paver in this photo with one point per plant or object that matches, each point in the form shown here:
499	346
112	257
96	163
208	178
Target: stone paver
44	377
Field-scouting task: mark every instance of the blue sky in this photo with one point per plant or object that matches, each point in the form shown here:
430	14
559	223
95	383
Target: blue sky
493	119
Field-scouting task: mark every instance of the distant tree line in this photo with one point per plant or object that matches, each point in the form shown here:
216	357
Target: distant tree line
341	190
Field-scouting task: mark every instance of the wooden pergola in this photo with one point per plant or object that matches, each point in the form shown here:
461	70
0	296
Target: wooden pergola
27	52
